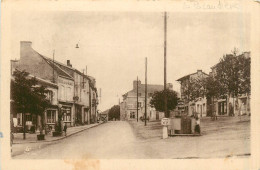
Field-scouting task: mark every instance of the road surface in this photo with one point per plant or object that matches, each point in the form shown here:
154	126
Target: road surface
118	140
109	140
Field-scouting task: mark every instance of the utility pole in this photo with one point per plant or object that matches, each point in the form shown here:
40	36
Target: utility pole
53	66
100	95
137	106
165	64
145	111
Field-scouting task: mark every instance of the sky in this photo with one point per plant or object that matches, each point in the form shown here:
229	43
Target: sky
113	45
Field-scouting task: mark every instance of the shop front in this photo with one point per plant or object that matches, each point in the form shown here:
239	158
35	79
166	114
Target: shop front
78	114
66	111
51	118
222	107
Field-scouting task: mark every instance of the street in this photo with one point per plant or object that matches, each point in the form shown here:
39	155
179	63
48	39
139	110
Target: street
118	139
109	140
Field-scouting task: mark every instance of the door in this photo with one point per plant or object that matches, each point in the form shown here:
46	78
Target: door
157	115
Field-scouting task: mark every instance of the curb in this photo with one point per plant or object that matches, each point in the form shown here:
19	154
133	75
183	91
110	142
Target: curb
45	141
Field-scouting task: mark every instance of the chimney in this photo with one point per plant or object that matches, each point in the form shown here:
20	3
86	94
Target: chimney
199	71
68	63
169	86
27	44
25	50
135	84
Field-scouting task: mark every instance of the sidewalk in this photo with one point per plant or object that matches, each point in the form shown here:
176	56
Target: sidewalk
225	137
21	146
32	138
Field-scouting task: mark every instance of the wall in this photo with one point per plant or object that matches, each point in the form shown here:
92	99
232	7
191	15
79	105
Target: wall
66	89
32	62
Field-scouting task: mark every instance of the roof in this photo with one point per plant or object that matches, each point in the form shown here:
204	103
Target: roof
187	76
59	70
151	88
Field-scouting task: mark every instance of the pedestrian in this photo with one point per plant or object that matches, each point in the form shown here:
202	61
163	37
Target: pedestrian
197	127
65	129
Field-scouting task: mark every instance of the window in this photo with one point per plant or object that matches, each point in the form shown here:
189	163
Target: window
50	96
68	96
62	93
150	94
66	111
139	104
51	114
28	117
132	115
139	94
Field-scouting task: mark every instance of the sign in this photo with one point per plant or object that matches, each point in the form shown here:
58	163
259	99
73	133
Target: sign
165	121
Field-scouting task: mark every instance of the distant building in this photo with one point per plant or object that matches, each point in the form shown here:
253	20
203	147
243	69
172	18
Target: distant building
128	108
198	104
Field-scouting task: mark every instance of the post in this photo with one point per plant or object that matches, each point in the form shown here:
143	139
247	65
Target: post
137	106
145	111
53	66
165	64
24	126
100	95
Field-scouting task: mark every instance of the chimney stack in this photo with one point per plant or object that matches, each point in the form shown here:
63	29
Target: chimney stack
68	63
135	84
26	44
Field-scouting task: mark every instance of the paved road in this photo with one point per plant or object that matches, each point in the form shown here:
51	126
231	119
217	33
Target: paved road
109	140
119	140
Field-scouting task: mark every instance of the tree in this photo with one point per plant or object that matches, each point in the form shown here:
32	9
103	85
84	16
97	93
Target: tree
227	76
212	89
114	112
233	76
26	97
157	100
40	103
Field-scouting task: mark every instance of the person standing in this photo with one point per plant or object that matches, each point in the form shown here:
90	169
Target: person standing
65	129
197	127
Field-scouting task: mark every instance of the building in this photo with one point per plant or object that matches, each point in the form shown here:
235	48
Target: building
128	108
70	88
191	93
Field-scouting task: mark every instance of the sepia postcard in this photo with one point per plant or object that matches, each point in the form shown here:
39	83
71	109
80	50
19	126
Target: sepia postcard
130	85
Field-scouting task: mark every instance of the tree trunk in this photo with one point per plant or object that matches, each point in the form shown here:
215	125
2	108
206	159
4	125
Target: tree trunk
24	137
246	104
42	123
228	97
213	110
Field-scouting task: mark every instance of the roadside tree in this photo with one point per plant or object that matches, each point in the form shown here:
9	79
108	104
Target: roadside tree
114	113
157	100
27	97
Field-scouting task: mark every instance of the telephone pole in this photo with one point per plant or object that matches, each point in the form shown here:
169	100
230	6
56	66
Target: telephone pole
165	64
145	110
137	99
53	80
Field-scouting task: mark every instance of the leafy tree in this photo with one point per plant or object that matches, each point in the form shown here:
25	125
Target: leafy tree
40	103
158	103
212	89
26	97
244	74
233	76
227	76
114	112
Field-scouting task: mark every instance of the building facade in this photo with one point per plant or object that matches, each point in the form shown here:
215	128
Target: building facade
193	104
128	108
70	89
